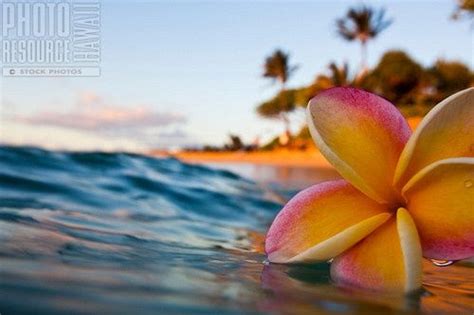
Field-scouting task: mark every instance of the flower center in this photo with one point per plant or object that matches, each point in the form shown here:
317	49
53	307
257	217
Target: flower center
397	206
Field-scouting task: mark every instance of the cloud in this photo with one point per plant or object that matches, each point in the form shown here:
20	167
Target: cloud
89	98
91	117
153	137
173	134
103	118
92	113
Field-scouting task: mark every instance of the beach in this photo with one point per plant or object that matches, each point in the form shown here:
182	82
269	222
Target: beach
280	157
309	158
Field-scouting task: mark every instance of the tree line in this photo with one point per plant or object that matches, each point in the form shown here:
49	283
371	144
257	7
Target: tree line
412	87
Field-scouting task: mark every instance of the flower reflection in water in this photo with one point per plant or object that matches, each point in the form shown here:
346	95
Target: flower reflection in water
307	289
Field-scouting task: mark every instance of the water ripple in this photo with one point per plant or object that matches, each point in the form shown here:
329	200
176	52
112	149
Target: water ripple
118	233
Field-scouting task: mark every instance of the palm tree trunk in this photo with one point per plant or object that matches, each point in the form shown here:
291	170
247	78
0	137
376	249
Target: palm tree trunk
284	116
363	61
286	121
363	56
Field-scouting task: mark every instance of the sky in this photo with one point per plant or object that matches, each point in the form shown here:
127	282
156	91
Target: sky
187	73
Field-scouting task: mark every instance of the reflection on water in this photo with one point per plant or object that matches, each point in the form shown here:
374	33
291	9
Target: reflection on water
288	177
96	233
308	290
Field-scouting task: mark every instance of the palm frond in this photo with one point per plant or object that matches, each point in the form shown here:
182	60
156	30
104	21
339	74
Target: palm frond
362	23
277	66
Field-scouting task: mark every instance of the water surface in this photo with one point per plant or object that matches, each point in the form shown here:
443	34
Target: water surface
115	233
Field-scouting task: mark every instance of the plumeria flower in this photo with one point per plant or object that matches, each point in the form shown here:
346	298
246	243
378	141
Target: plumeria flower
403	195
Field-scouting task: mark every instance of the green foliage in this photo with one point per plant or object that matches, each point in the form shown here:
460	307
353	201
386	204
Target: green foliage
277	66
272	144
336	76
283	102
339	75
304	133
302	140
448	77
235	143
287	101
397	77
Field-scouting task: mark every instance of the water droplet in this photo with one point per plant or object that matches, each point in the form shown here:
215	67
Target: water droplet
468	183
330	260
442	263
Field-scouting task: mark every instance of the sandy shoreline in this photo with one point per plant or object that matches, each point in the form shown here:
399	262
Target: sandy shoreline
281	157
310	158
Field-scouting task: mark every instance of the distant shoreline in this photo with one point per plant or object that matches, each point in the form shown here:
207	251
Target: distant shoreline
278	157
281	157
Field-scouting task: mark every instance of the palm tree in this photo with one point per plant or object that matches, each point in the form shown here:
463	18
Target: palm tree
336	75
362	24
339	74
277	67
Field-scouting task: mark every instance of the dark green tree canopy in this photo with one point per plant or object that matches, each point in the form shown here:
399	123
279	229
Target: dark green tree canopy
339	75
396	77
282	103
448	77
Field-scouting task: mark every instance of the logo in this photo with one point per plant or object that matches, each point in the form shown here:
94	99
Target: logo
51	38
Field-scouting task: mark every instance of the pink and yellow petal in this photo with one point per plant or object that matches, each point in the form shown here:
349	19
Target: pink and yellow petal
446	132
362	135
389	259
441	201
321	222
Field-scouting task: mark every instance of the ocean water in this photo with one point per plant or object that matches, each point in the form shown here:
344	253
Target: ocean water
116	233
